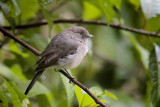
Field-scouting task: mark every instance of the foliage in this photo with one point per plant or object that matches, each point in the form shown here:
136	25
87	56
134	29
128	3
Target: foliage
122	71
17	97
150	8
155	76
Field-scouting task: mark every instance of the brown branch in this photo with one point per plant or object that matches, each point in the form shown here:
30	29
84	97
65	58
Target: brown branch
36	52
82	87
81	21
6	33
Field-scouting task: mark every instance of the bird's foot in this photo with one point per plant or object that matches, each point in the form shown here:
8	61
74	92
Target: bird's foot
70	80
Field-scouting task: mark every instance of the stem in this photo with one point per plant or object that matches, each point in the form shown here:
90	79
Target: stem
81	21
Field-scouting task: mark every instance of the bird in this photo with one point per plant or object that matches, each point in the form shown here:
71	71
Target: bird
65	51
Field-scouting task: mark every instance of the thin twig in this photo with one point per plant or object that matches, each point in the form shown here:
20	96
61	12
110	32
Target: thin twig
36	52
81	21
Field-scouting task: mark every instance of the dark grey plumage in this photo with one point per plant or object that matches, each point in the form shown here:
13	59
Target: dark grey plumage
65	51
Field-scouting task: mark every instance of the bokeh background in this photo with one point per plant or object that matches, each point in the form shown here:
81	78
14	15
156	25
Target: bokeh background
118	60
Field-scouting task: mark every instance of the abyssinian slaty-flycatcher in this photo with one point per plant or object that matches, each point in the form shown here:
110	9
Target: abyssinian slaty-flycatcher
65	51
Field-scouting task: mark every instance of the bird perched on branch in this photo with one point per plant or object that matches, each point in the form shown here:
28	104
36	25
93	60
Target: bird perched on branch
65	51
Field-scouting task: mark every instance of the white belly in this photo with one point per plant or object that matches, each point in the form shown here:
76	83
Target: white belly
72	61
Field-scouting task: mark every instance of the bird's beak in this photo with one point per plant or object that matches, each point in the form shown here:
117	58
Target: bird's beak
91	36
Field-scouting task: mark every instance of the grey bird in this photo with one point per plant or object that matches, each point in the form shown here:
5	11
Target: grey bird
65	51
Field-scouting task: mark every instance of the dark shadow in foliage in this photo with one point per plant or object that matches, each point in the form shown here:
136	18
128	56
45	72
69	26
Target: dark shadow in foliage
107	76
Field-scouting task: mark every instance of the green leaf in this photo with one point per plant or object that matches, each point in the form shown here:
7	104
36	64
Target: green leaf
79	94
14	96
107	9
109	94
154	68
136	3
69	90
22	97
89	9
12	8
93	105
47	15
7	72
84	99
12	11
49	20
43	101
40	44
4	8
144	54
18	71
14	48
87	101
3	99
150	8
100	94
7	13
116	3
96	90
28	11
16	7
37	89
97	105
57	28
51	99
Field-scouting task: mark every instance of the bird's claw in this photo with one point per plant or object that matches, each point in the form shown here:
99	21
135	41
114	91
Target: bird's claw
70	80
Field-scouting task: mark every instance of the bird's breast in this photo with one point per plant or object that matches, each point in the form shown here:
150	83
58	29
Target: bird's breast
72	61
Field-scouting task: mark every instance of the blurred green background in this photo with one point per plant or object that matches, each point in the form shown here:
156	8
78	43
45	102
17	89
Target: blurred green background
118	60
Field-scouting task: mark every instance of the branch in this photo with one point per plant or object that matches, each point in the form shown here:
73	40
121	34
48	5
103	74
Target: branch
82	87
36	52
6	33
81	21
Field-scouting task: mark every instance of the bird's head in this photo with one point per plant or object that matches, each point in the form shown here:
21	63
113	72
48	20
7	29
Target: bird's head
81	31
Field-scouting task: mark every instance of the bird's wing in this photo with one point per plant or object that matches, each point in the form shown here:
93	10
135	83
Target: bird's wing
54	51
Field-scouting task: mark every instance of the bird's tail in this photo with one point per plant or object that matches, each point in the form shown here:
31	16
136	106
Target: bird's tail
38	74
